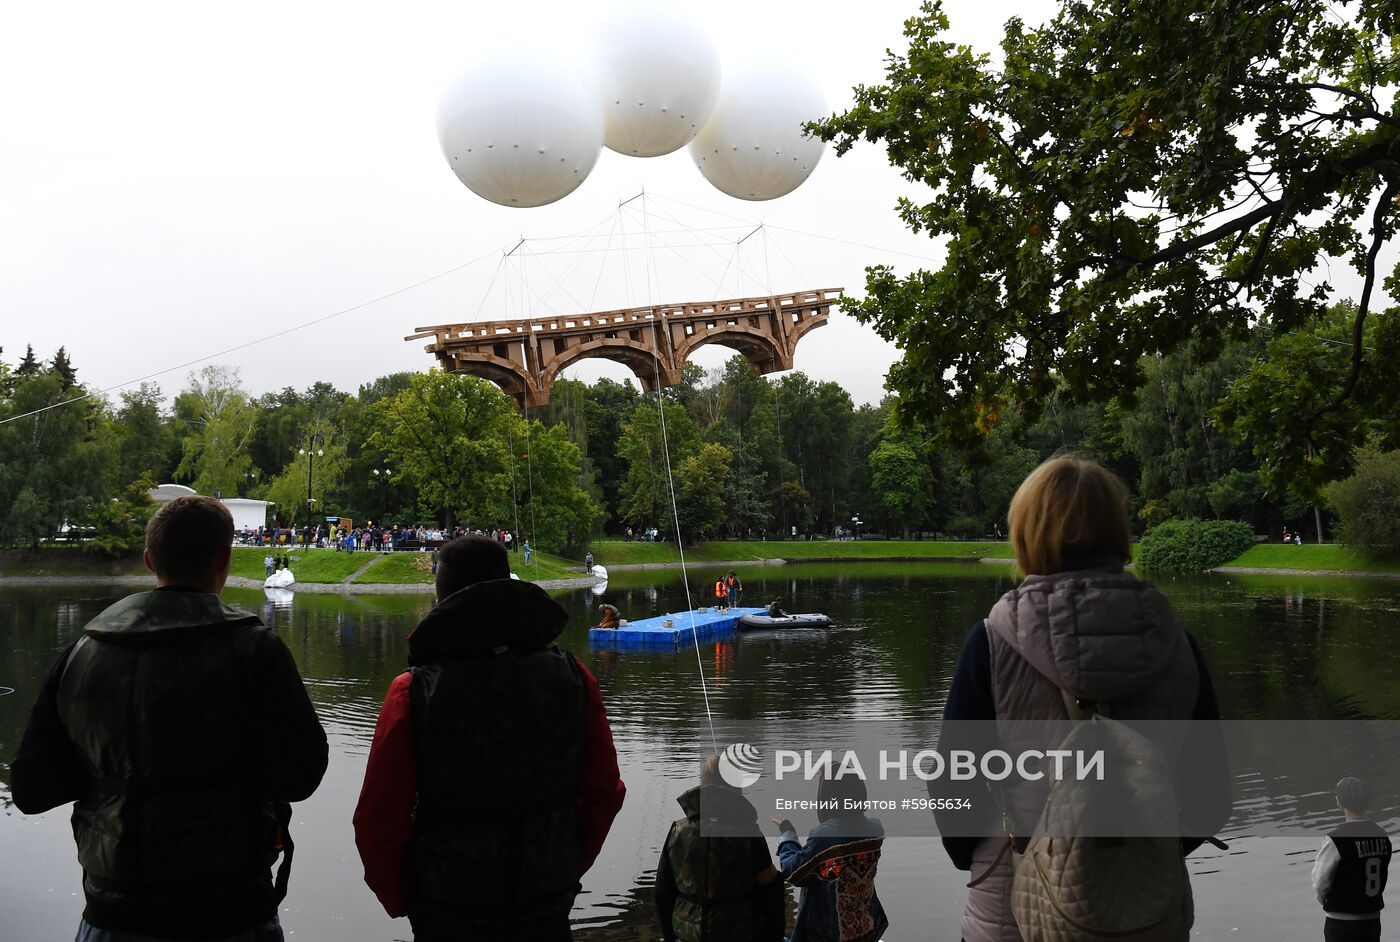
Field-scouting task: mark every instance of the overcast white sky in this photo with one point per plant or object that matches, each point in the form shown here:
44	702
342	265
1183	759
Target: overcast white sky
177	179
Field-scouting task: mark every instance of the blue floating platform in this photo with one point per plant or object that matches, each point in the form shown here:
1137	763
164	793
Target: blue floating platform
655	633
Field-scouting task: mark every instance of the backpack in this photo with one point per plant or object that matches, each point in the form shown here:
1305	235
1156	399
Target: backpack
1129	888
846	872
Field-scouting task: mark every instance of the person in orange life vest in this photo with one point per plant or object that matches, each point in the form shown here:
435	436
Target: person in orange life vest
721	594
735	587
611	617
492	779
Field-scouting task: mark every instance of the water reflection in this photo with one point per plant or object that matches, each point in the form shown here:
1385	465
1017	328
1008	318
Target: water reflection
276	598
1279	648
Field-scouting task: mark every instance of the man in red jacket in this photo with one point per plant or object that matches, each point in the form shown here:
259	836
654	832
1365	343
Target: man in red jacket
492	780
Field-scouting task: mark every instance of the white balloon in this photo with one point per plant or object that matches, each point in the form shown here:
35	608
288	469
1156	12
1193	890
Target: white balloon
658	74
520	128
753	146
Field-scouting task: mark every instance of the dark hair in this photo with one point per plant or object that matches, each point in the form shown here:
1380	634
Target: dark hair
187	535
468	560
1354	795
836	789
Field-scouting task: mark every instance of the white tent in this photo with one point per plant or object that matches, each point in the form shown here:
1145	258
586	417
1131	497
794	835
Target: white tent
248	514
168	492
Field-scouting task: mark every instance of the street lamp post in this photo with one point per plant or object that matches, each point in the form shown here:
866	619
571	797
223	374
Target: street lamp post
382	476
312	452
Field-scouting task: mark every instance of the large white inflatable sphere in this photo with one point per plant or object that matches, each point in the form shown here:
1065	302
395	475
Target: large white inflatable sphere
520	127
753	146
658	75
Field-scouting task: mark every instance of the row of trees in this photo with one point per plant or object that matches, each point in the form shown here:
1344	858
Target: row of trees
408	449
738	454
748	455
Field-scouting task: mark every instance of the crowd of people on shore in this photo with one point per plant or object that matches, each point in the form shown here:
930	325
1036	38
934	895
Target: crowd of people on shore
372	538
181	729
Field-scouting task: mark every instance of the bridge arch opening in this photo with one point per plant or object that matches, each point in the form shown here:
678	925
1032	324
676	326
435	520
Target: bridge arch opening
762	350
649	369
589	370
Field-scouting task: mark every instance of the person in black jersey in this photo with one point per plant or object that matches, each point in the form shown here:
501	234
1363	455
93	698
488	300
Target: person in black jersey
1350	872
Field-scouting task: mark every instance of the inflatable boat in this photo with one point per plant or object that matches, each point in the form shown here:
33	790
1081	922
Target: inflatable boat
768	622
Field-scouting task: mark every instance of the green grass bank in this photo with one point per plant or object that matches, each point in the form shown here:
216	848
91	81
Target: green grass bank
416	568
1311	557
622	553
315	565
329	567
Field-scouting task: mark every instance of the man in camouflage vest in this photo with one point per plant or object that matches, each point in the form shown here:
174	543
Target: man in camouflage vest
716	881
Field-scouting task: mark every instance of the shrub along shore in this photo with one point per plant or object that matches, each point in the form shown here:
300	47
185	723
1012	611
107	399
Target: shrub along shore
366	571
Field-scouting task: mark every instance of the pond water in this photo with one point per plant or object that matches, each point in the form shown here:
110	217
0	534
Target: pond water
1280	648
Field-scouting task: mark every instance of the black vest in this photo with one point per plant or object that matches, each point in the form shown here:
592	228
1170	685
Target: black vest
157	700
1363	849
499	720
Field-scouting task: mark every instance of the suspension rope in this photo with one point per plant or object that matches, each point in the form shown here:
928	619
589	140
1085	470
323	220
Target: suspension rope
713	245
480	304
627	292
671	484
603	262
514	499
713	251
530	477
510	434
778	247
801	232
696	268
773	387
559	281
529	442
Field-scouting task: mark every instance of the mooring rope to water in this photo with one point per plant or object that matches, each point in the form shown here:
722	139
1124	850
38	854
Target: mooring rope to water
666	450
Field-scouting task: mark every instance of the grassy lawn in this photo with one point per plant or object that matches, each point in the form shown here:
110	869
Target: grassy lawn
544	567
399	569
610	553
1327	556
315	565
411	568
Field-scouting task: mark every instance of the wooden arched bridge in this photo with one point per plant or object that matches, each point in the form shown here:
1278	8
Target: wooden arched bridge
525	357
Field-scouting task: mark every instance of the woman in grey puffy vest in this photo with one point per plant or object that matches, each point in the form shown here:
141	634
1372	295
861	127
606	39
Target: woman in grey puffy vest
1079	626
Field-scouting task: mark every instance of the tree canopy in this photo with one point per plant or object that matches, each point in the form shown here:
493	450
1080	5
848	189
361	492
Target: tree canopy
448	434
749	456
1122	180
221	419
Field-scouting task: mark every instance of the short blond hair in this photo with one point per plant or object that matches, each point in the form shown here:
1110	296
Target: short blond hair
709	771
1068	507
